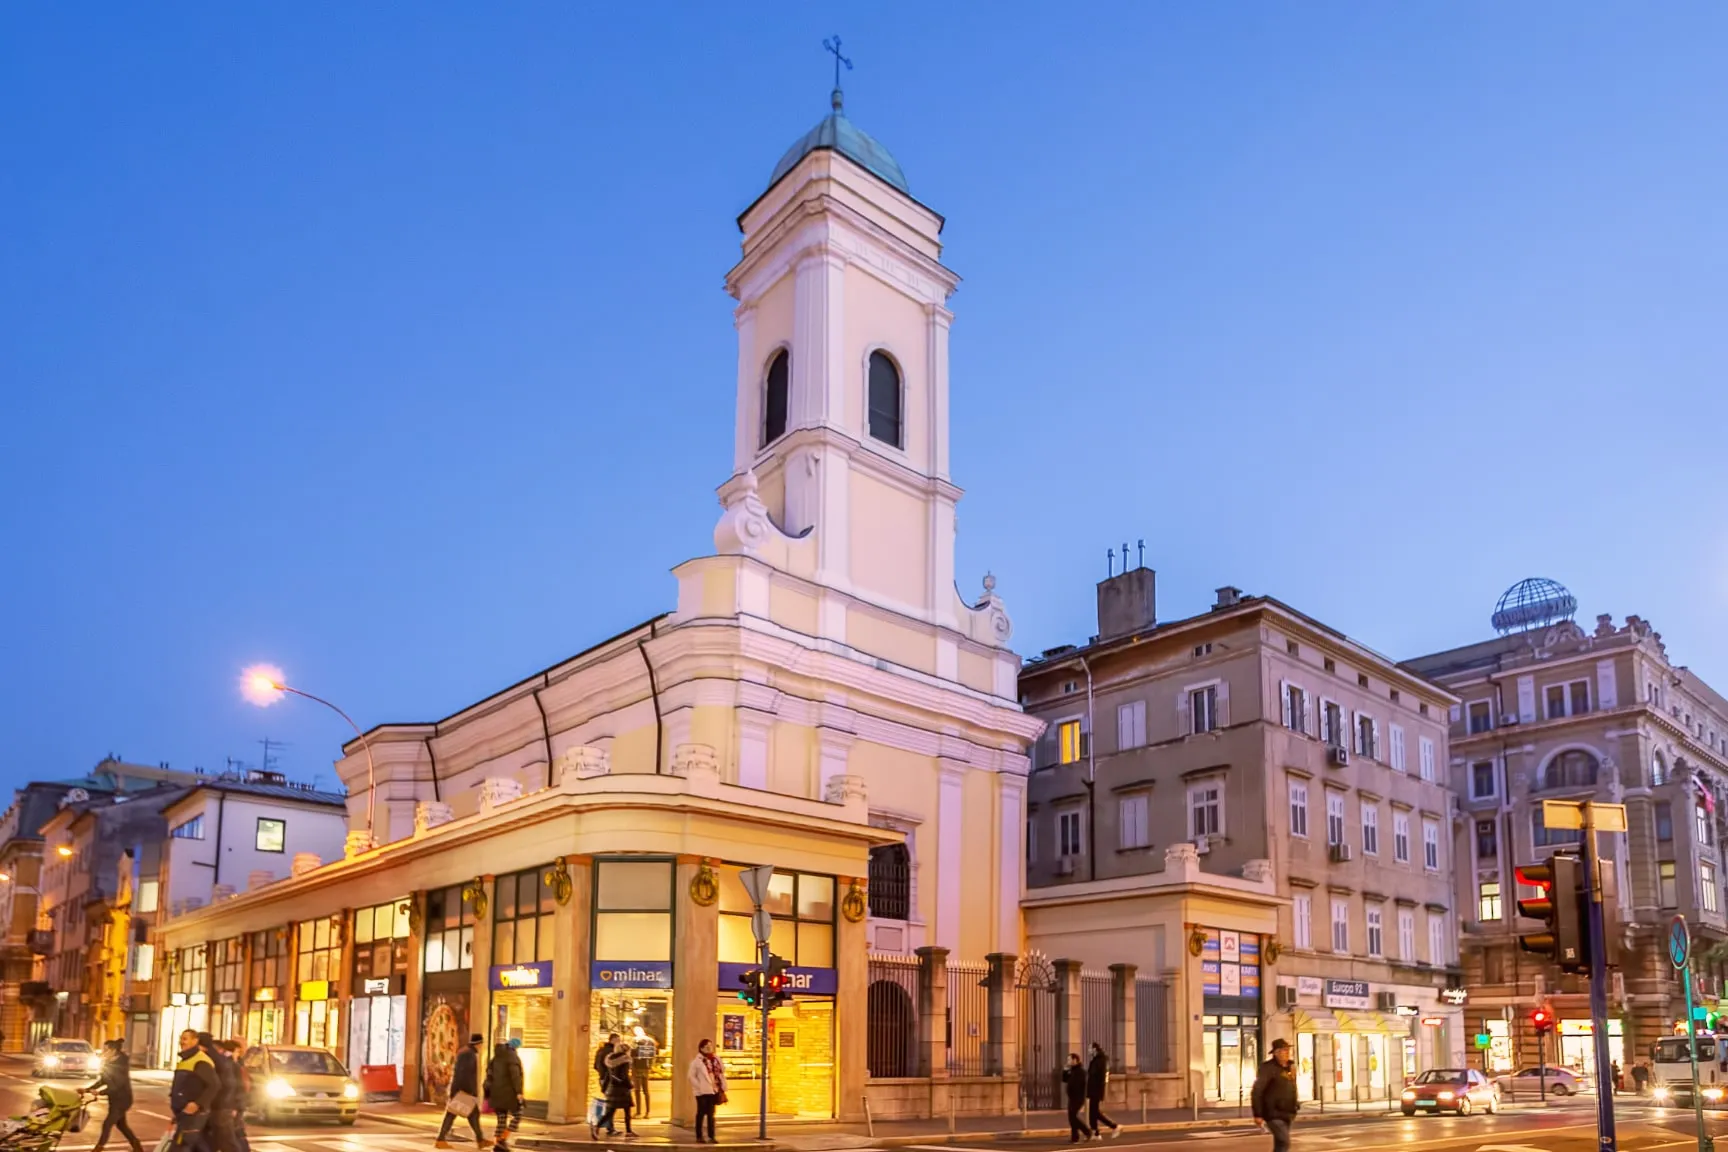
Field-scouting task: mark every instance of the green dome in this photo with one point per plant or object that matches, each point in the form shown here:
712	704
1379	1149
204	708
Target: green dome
839	134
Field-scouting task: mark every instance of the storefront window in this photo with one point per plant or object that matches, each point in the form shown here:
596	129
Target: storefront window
266	1013
188	1007
631	970
444	1009
377	1025
521	976
317	960
228	980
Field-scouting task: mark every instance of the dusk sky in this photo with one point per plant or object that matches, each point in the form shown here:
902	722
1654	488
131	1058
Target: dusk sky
387	343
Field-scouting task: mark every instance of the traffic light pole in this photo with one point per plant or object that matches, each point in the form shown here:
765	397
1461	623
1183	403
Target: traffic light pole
1541	1066
762	1117
1605	1140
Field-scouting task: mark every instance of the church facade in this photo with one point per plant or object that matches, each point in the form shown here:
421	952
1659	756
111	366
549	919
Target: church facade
563	859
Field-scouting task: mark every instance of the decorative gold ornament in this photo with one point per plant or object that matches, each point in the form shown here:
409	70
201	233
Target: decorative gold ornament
1271	950
704	887
474	895
411	907
339	928
1197	941
854	905
558	879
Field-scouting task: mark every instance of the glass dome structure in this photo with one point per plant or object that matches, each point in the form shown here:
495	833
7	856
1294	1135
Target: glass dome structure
1533	603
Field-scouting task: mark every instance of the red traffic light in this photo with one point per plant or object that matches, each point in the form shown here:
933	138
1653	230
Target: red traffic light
1541	1019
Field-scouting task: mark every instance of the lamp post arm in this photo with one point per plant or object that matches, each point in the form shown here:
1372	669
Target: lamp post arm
365	746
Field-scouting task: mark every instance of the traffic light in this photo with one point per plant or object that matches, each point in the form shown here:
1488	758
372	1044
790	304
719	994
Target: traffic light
1541	1020
1560	909
751	992
775	982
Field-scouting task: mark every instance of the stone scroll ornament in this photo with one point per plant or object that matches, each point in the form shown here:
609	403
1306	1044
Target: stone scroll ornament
1197	941
704	887
1271	950
853	905
558	879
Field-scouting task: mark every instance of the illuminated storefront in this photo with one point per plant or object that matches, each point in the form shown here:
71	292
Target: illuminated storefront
317	958
520	979
266	1014
378	1005
227	988
631	972
188	978
1578	1045
446	962
1230	1006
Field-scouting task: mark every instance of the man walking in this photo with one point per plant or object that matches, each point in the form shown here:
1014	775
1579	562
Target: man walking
196	1088
1275	1095
1074	1080
1097	1076
463	1098
115	1082
220	1129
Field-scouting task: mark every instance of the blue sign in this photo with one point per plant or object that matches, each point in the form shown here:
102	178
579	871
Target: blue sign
799	981
1679	942
630	974
505	977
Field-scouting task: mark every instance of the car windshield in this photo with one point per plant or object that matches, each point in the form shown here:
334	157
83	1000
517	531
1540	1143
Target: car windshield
306	1064
1441	1076
71	1046
1675	1050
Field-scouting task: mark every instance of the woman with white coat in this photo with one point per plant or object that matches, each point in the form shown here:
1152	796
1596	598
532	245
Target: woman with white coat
708	1080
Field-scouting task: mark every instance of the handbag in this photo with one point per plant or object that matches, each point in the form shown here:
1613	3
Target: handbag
461	1103
596	1112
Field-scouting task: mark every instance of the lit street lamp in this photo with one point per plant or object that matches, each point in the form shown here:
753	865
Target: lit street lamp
263	686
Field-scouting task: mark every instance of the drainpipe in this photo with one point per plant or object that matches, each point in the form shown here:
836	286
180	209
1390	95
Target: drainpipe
216	876
545	729
654	693
433	759
1091	781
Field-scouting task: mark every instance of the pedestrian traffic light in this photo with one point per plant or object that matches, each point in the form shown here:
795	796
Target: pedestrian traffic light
751	992
1559	909
776	985
1541	1020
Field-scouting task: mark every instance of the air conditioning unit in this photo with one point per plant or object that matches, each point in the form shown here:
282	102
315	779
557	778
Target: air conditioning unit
1338	754
1286	997
1202	845
1342	854
1385	1001
1065	866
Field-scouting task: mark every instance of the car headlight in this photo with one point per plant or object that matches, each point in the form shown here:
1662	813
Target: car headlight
1660	1093
1712	1093
350	1091
1409	1095
50	1061
1445	1095
279	1089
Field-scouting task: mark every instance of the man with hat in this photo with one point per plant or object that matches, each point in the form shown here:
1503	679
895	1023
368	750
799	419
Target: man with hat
1275	1095
463	1098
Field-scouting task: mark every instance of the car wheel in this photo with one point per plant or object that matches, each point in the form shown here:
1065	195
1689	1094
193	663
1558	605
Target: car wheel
348	1121
1493	1108
1561	1090
1463	1105
1409	1111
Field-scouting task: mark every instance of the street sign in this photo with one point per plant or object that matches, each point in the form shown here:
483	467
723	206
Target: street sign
1679	942
1483	1040
762	924
756	883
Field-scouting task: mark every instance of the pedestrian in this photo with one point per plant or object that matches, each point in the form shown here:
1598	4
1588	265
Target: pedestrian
115	1082
1097	1077
1074	1080
463	1097
243	1091
617	1091
643	1052
1640	1077
504	1092
193	1094
708	1084
1614	1077
221	1127
600	1055
1275	1095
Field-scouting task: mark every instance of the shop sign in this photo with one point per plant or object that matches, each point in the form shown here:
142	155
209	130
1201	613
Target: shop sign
1455	996
1348	994
263	995
507	976
799	981
379	986
195	998
628	974
1308	985
1483	1040
1433	1021
314	990
228	996
1586	1028
1406	1010
176	999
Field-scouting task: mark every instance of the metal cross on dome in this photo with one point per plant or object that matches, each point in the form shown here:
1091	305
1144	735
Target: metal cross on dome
834	47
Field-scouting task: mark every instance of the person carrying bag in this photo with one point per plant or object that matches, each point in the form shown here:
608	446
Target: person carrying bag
504	1093
464	1095
708	1083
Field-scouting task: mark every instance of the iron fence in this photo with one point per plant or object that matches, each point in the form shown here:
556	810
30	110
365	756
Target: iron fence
1097	1015
892	1018
968	1018
1152	1025
1040	1062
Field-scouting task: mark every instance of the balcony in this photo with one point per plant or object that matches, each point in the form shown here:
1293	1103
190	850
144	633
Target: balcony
40	941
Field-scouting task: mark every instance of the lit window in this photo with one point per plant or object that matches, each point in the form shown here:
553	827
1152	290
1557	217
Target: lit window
272	834
1488	900
1665	877
1070	745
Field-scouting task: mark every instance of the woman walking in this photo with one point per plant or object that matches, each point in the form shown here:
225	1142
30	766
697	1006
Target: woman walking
115	1082
708	1081
617	1090
504	1093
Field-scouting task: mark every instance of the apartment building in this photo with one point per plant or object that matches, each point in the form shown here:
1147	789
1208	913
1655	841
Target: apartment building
1550	711
1254	804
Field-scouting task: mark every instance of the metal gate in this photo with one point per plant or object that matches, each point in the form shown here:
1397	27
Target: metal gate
1040	1055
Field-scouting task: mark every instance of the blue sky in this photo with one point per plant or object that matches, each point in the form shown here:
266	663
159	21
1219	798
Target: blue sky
388	343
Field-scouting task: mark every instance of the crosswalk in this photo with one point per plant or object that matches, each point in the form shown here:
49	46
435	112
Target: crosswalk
316	1141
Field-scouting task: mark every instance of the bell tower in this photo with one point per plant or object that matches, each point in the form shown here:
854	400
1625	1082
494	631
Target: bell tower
842	403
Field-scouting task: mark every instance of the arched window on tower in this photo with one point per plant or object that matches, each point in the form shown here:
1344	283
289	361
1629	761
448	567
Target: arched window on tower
891	882
776	394
884	399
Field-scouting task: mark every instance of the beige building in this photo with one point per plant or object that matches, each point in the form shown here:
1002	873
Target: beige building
1550	711
1253	805
560	859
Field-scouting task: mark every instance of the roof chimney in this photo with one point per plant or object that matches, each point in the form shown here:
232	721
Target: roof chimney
1127	603
1228	597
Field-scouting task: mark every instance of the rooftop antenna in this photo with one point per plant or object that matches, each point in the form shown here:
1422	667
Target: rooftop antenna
1141	545
1110	560
268	764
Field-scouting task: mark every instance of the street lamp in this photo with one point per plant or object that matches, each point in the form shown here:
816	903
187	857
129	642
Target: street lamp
263	685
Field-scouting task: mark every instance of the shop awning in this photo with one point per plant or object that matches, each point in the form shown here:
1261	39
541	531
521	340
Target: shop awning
1314	1020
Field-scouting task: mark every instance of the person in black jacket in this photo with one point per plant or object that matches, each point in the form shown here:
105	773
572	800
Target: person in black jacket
1274	1096
465	1078
1074	1080
221	1128
196	1087
504	1092
242	1083
1097	1076
115	1082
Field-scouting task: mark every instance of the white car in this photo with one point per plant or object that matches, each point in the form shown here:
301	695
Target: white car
68	1058
1526	1083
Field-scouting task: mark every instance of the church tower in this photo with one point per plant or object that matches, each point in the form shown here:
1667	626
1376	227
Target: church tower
841	440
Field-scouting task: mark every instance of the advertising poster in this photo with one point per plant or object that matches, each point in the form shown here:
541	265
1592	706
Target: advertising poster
1209	977
1230	947
732	1032
1230	979
443	1031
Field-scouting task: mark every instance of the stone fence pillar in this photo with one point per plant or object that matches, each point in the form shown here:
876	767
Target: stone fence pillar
1002	1042
1069	1001
1123	1018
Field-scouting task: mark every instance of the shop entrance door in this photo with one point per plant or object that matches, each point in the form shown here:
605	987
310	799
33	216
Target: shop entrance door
1230	1048
1305	1070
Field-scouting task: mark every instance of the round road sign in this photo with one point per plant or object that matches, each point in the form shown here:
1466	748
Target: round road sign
1679	942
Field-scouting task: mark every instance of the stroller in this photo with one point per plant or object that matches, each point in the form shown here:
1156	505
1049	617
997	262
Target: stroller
59	1111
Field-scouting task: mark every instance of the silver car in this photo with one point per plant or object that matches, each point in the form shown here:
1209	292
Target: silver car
64	1058
1527	1083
